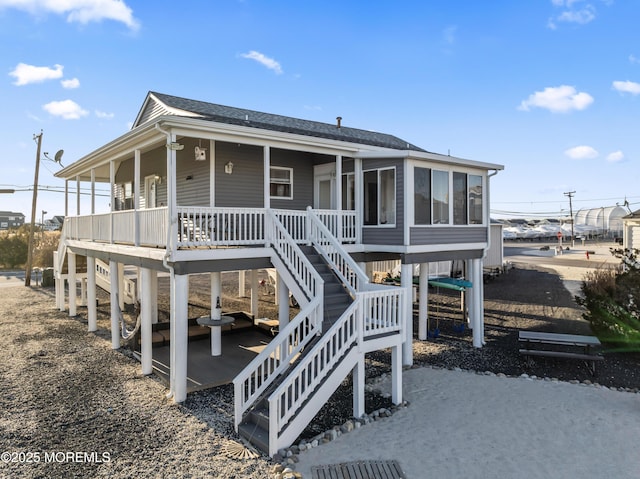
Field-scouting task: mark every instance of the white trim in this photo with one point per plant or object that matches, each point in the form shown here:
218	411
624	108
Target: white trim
212	173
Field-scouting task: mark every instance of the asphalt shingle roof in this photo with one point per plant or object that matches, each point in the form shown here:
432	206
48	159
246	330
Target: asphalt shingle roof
285	124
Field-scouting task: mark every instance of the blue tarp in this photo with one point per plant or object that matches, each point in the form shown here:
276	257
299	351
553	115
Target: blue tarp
458	282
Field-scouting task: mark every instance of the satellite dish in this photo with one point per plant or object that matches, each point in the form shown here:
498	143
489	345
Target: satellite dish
58	157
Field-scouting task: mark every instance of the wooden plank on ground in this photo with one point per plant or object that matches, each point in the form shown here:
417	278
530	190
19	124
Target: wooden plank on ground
359	470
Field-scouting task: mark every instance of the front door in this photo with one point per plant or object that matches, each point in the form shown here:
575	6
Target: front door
324	187
150	191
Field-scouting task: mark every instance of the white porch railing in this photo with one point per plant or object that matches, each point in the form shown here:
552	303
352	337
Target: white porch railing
200	226
220	226
341	223
382	310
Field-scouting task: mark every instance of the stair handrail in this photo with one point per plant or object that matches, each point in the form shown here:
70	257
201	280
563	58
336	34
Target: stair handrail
254	379
309	372
293	257
349	272
62	247
275	358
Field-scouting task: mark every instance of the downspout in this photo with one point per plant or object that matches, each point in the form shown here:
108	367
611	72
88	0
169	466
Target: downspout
486	249
169	249
170	245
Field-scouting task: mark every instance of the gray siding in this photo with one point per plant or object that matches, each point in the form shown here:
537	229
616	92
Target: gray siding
153	110
192	177
302	164
386	235
244	187
425	235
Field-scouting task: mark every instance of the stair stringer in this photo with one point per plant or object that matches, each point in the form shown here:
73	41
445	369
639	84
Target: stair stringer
316	401
289	280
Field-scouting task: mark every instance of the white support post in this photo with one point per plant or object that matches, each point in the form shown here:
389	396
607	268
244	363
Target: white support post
471	306
477	307
83	291
59	289
216	295
406	282
254	293
136	197
178	347
481	298
115	305
358	388
423	302
267	176
92	313
241	284
73	287
282	294
146	343
120	286
396	375
153	286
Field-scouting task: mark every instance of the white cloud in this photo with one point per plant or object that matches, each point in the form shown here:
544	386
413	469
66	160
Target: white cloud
70	84
27	74
67	109
270	63
582	152
615	156
633	59
559	99
105	115
627	87
574	11
80	11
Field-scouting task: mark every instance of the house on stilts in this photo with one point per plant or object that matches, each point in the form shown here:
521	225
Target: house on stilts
200	188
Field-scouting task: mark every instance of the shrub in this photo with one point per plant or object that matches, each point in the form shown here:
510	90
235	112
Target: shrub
611	298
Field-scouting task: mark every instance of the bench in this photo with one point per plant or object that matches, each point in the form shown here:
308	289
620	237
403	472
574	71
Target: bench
566	346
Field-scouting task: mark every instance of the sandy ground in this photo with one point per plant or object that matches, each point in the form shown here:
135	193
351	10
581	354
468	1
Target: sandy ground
463	424
476	425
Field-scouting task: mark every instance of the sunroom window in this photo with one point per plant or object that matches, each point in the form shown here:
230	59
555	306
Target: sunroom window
459	198
422	196
380	197
281	182
475	200
440	197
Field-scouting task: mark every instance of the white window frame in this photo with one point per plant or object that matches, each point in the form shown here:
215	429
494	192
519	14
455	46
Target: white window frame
281	182
395	197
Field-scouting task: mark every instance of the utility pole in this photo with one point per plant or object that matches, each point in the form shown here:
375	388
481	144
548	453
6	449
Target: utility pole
27	273
570	195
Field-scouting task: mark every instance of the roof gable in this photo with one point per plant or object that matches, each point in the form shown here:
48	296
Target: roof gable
157	104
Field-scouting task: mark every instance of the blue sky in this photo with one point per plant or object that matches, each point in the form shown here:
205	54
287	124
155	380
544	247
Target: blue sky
548	88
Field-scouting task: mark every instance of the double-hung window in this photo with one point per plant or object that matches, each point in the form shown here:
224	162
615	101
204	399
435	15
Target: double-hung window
281	182
379	191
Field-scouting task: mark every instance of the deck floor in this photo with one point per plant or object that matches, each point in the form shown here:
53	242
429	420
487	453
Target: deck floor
206	371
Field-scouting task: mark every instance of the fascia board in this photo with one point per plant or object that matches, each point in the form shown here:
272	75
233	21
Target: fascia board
434	157
120	148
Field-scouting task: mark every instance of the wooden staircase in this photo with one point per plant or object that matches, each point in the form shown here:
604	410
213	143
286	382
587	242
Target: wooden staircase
255	426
